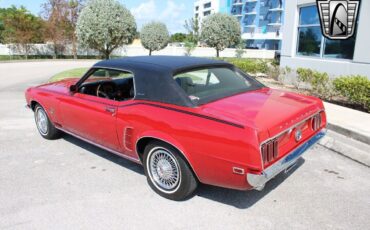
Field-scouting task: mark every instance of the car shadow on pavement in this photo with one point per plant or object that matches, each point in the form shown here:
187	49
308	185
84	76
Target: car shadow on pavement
104	154
244	199
238	199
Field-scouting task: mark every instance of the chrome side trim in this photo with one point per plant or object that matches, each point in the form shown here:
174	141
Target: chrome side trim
137	141
101	146
258	181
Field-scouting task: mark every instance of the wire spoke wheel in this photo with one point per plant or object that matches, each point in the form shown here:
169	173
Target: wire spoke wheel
164	170
42	121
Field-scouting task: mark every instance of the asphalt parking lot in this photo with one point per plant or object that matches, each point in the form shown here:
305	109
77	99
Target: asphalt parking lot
69	184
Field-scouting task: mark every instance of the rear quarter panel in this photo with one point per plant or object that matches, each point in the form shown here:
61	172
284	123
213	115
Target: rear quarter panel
212	148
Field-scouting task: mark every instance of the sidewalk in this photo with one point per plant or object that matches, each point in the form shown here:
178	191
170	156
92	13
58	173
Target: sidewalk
349	122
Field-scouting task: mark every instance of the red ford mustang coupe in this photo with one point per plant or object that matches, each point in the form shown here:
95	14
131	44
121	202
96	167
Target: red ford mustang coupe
186	120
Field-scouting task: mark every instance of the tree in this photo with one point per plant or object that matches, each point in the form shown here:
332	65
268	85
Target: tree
154	36
220	31
178	37
1	30
61	19
74	9
21	29
189	47
192	26
105	25
240	49
56	24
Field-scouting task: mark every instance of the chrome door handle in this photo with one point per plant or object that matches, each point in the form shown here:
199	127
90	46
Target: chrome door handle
110	110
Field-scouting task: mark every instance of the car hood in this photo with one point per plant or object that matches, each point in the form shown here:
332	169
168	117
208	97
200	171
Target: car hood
267	110
59	86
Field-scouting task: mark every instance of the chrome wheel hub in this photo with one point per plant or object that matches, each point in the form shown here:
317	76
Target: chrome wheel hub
164	170
42	121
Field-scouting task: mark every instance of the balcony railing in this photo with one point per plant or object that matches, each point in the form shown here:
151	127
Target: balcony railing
238	2
262	32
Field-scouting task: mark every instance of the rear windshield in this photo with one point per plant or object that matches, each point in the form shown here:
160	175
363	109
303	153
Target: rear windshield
210	84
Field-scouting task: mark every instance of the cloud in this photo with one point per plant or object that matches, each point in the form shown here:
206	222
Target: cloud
172	14
172	11
144	11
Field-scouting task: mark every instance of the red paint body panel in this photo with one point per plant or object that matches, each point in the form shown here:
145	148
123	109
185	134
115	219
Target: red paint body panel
214	137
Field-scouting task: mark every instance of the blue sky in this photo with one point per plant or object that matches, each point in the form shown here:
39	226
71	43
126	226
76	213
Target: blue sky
171	12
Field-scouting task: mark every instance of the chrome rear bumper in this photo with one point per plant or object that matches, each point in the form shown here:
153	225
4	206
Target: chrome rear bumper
258	181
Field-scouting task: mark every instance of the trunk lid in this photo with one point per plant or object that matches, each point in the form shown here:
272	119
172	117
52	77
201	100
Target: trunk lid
266	110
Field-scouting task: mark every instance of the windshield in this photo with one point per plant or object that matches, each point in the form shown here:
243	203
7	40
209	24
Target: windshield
210	84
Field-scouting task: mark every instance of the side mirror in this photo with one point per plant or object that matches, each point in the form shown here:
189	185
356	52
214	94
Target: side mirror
73	88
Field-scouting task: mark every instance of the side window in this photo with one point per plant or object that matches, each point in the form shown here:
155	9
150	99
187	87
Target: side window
199	77
110	84
111	74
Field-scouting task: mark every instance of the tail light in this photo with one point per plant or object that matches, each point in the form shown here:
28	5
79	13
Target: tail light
316	122
269	151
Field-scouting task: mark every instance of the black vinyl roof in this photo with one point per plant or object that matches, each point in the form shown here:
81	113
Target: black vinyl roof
164	63
153	75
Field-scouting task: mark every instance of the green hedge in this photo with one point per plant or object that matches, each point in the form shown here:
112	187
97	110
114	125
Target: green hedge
36	57
355	88
251	66
319	82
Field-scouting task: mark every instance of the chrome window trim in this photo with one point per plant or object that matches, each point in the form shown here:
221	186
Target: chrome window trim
117	69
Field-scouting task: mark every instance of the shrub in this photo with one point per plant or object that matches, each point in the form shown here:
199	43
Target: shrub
240	51
250	66
304	75
274	72
355	88
319	82
189	47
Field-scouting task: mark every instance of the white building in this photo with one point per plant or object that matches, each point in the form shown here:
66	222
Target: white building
203	8
260	20
304	46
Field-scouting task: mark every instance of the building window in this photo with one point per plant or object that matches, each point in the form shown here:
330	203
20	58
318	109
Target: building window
312	43
309	32
309	41
207	5
206	13
343	49
196	8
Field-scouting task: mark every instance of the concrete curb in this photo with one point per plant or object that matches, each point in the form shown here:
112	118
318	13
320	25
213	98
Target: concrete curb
349	148
349	133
